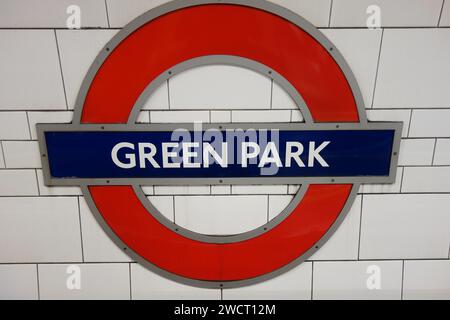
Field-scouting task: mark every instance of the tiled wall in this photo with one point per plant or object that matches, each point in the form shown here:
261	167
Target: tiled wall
403	229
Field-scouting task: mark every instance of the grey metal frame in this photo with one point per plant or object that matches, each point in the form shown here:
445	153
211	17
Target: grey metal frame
227	60
50	181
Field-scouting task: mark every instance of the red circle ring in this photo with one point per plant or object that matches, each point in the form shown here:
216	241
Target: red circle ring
178	32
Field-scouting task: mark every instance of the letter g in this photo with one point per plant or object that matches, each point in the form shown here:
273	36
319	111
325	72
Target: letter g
130	156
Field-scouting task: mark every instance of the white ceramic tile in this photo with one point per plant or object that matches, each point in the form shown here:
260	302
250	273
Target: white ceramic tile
445	18
315	11
51	13
259	189
343	244
28	57
354	280
179	116
97	246
426	179
414	69
147	285
18	282
391	115
293	189
39	230
181	190
277	204
121	13
430	123
416	152
158	100
219	87
143	117
164	204
107	281
296	116
442	153
22	154
292	285
385	188
281	99
14	126
36	117
220	215
405	226
427	280
251	116
360	49
220	116
220	190
18	183
2	159
78	49
394	13
148	190
54	190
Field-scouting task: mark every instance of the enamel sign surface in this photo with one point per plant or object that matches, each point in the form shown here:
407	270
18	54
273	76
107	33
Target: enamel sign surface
110	156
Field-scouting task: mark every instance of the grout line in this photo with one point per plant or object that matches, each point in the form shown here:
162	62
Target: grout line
268	206
129	276
29	125
403	278
61	70
378	69
81	232
329	16
231	195
410	121
385	27
410	108
107	14
401	179
221	294
149	117
312	280
271	94
37	279
173	209
37	181
62	28
360	226
449	250
440	14
3	153
319	27
233	109
168	92
434	151
127	262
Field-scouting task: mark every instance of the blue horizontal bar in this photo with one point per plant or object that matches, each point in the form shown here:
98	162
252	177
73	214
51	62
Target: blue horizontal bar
348	153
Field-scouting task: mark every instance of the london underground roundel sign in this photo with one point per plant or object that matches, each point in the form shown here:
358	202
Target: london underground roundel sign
111	157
